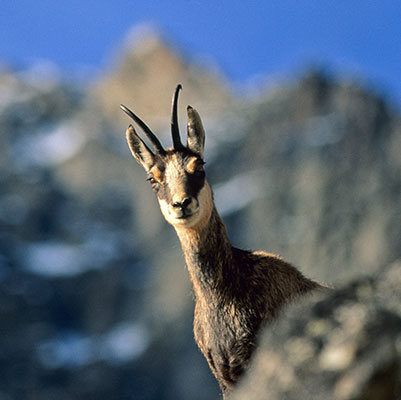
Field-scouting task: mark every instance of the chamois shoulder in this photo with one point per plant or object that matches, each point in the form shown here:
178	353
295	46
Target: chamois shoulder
278	278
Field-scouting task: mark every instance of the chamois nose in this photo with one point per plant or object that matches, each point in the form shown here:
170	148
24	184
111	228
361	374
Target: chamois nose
182	205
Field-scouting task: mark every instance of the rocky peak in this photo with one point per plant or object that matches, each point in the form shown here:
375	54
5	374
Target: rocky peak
144	76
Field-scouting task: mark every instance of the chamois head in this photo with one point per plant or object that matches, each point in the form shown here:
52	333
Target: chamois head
176	174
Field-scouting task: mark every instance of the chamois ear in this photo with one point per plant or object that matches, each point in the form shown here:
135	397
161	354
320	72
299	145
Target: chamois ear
139	150
196	133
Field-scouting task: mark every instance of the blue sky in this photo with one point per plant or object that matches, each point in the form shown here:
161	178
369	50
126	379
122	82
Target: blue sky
246	39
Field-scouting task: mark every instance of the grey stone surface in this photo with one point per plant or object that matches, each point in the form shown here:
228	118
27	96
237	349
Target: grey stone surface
345	345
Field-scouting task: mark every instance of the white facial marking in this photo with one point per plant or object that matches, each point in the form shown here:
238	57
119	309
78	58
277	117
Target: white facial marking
199	210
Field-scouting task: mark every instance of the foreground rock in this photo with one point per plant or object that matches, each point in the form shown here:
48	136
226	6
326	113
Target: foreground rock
344	346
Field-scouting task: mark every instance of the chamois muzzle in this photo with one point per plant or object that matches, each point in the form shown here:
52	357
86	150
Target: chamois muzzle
182	205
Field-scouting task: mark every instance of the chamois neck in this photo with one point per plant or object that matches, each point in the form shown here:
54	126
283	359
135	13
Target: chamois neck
207	251
210	234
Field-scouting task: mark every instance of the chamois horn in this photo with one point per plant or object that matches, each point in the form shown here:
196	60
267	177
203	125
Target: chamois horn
155	141
175	130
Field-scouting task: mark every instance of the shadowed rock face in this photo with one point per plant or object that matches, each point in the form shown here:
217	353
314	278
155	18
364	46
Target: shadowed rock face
343	346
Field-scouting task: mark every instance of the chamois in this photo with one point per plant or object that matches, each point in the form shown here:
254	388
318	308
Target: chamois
236	291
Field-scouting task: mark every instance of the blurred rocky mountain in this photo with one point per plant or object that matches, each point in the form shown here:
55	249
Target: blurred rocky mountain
95	301
145	69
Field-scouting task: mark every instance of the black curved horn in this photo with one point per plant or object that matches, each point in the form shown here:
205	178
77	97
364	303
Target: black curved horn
175	130
155	141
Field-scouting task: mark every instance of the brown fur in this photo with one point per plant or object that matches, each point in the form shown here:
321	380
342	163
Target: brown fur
236	291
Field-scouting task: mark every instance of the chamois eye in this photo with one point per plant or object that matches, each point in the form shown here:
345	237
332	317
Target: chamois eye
152	181
199	166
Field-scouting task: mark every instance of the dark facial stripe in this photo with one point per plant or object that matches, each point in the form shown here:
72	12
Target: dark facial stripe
164	193
194	183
